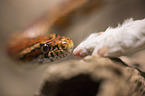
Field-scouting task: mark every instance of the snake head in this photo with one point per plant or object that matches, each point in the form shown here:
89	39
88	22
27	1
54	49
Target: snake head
58	48
41	49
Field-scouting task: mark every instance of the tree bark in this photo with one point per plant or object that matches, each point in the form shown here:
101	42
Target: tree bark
92	76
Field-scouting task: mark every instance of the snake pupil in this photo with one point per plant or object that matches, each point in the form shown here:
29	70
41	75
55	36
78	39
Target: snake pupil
46	55
45	48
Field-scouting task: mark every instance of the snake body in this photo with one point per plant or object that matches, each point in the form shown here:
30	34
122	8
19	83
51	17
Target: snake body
32	42
41	48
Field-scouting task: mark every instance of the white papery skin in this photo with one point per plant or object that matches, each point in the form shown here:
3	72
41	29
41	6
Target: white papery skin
123	40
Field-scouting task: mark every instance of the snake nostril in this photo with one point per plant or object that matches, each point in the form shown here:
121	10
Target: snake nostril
45	48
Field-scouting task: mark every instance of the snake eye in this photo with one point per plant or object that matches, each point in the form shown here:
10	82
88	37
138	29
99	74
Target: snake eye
45	48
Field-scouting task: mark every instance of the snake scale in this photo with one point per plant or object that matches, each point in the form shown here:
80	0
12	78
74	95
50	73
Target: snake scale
34	44
41	48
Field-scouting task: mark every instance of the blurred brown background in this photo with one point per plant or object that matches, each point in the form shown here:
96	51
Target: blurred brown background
16	14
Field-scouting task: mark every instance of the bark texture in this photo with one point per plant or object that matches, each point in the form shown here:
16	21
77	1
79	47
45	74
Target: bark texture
92	76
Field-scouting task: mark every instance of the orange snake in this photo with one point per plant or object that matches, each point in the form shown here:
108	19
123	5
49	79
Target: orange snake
41	48
32	44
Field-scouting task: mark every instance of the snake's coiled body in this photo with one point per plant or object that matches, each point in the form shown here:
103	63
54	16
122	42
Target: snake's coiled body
41	48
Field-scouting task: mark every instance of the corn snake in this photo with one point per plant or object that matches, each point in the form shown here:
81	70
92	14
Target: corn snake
20	48
41	48
33	44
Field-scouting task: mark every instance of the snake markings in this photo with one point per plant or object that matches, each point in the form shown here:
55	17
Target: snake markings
41	49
